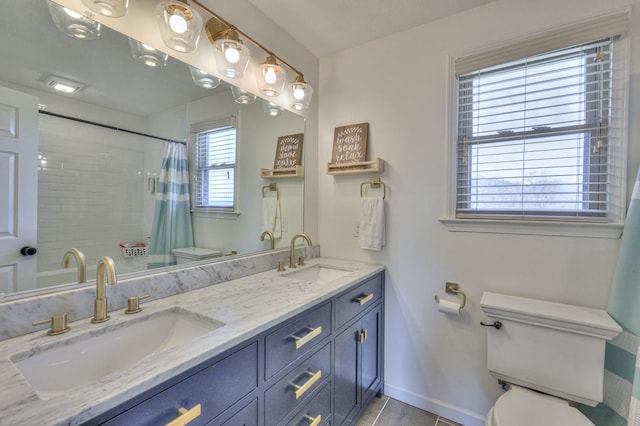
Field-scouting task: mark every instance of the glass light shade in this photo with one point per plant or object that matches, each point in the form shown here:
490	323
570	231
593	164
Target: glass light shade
151	57
271	109
242	96
110	8
271	77
203	79
232	57
74	24
301	94
180	25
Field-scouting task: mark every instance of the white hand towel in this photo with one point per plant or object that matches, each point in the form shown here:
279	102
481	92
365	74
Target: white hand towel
271	216
372	232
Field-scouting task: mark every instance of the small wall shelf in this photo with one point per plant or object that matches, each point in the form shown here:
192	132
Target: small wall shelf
375	166
289	172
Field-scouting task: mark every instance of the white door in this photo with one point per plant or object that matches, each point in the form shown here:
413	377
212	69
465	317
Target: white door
18	189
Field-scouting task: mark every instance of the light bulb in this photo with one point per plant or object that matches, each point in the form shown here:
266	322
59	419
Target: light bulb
147	47
298	93
71	13
270	76
150	63
231	54
178	22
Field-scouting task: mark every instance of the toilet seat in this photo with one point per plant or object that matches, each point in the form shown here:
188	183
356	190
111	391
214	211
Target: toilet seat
523	407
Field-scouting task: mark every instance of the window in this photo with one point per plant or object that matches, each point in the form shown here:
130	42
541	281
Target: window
214	178
533	136
540	133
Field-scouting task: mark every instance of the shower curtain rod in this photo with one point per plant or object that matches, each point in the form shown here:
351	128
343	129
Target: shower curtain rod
106	126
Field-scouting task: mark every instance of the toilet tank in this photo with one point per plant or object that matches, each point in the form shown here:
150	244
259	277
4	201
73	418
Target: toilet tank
551	347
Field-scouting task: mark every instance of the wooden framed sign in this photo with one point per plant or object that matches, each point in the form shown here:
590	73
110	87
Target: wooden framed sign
288	151
350	144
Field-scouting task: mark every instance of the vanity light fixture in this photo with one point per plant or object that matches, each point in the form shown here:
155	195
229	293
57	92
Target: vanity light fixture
72	23
203	78
271	77
63	85
242	96
180	25
232	56
301	93
151	57
110	8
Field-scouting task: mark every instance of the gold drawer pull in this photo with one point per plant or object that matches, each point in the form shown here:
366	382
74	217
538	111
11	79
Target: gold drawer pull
363	299
301	389
301	341
313	421
185	416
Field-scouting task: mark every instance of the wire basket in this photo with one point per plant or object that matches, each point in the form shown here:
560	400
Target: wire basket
133	250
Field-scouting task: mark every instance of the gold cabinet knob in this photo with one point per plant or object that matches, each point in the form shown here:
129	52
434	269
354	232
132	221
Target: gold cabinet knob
58	324
133	304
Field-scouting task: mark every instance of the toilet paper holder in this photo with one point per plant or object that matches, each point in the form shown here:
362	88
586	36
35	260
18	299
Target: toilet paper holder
454	288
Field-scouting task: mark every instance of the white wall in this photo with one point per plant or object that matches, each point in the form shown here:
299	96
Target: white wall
398	85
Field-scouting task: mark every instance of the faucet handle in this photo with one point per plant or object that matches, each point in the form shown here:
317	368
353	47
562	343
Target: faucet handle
133	304
58	324
281	267
301	261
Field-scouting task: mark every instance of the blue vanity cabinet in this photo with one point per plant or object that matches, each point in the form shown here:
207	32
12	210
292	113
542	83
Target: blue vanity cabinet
359	352
320	367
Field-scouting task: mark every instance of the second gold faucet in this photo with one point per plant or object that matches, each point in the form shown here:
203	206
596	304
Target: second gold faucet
106	270
292	254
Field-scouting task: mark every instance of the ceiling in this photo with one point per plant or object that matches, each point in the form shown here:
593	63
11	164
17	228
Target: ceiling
325	27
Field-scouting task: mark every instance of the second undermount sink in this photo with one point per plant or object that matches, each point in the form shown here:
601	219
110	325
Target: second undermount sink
64	365
318	273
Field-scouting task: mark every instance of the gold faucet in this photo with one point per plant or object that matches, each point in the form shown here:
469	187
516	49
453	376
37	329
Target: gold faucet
80	263
292	256
270	235
107	270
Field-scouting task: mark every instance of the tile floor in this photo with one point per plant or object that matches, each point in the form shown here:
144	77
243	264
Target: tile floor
387	411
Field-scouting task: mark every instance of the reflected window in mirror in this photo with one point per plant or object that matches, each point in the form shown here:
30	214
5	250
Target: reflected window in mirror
215	166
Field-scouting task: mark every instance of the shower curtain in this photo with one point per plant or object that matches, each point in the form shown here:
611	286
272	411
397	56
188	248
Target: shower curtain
624	307
172	227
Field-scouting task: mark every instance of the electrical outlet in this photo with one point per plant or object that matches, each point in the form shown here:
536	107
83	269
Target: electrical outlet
356	228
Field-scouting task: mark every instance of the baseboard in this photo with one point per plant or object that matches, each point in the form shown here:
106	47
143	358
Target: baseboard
441	408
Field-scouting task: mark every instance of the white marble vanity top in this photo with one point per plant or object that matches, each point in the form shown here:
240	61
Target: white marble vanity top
246	305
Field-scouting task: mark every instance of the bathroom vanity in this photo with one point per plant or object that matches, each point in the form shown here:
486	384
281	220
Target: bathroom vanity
299	347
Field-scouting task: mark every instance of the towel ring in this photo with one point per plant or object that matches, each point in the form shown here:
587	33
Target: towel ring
271	187
374	183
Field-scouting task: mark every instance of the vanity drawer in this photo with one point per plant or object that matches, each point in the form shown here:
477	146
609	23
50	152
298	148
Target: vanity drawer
283	397
296	338
215	388
317	411
357	300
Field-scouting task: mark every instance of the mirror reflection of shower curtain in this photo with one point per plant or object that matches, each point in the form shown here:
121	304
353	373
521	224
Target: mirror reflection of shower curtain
172	227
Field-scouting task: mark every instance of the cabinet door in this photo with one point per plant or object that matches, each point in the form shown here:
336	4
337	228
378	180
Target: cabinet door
347	398
371	353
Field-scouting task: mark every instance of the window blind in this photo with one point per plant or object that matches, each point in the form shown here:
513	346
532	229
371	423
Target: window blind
534	136
215	165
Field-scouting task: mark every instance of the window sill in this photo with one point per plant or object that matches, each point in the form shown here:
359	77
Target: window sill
556	229
216	214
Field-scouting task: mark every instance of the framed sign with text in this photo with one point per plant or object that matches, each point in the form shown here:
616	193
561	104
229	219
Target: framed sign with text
350	144
288	151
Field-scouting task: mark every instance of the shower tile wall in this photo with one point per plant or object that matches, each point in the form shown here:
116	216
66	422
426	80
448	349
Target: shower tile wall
91	188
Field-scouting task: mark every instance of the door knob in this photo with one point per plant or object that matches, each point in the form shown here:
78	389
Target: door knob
28	251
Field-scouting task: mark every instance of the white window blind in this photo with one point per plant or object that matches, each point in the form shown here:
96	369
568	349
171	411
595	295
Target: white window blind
534	135
215	165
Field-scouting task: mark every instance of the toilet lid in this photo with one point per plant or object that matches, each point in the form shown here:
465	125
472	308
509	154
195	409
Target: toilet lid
523	407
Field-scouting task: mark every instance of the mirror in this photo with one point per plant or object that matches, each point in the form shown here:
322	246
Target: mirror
96	184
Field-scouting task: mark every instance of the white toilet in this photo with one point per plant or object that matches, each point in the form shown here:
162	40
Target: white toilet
553	353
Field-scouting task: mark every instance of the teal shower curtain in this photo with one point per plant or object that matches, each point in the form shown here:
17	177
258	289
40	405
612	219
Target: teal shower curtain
172	227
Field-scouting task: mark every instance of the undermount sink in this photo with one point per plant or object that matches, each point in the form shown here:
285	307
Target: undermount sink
61	366
318	273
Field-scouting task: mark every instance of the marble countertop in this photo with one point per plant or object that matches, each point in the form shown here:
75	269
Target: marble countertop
247	306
